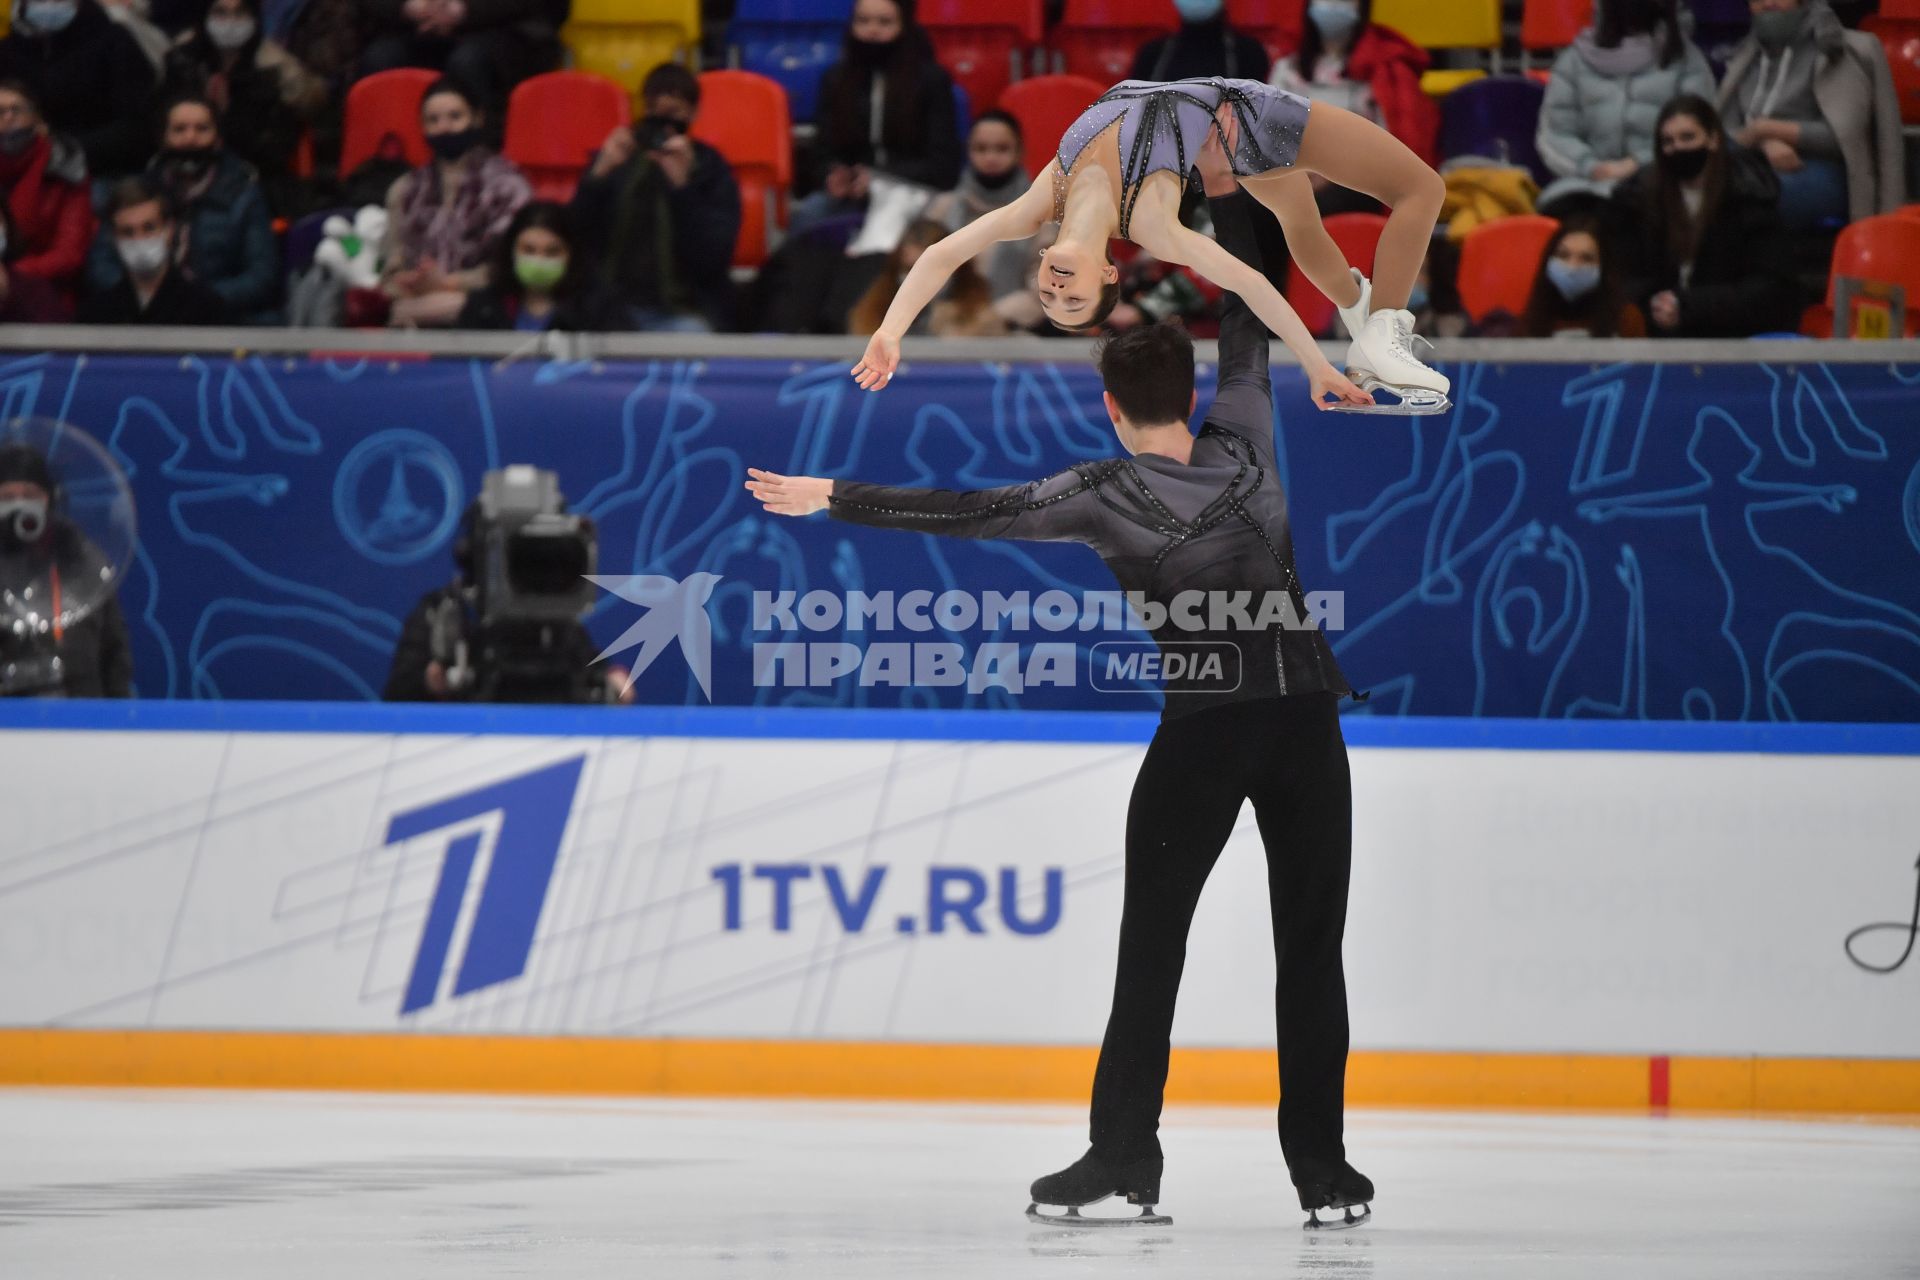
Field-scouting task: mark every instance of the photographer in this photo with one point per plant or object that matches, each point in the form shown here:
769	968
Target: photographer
507	628
653	186
44	562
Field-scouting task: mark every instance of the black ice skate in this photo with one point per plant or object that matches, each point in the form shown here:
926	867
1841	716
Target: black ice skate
1090	1180
1325	1184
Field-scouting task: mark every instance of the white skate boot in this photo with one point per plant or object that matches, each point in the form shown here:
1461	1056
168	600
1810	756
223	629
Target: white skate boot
1355	316
1381	359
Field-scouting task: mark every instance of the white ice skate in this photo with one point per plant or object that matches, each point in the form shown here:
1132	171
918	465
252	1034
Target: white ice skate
1382	359
1355	316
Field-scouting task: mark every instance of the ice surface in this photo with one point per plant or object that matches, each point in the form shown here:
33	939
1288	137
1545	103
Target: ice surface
166	1184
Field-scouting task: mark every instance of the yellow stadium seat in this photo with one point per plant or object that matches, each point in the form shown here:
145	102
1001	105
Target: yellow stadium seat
623	40
684	15
1443	24
1438	84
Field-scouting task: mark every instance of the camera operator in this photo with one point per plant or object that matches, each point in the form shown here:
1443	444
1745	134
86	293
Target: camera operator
507	628
653	186
46	566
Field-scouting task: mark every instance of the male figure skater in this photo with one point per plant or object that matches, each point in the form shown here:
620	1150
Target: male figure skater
1192	513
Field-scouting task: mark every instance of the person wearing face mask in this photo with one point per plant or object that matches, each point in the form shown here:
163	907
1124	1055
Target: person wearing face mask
1606	88
444	218
1203	46
887	105
89	77
1700	244
42	552
49	208
1577	291
996	176
230	247
540	281
488	45
1347	59
1817	100
265	96
153	287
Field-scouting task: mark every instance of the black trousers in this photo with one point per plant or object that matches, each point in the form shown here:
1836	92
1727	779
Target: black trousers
1288	757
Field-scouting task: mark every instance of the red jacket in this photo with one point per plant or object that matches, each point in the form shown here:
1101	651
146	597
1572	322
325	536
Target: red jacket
51	210
1391	66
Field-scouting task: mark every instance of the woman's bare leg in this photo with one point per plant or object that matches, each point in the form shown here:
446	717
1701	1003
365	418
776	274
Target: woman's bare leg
1354	152
1289	194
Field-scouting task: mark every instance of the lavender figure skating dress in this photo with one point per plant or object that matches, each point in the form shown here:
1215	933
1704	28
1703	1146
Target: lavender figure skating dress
1164	126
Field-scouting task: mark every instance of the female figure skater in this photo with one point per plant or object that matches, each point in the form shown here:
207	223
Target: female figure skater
1120	170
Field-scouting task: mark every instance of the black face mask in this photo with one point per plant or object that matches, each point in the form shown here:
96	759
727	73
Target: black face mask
1685	164
451	146
871	53
993	182
189	164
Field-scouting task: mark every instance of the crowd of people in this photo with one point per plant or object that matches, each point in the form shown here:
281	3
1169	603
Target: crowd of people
150	148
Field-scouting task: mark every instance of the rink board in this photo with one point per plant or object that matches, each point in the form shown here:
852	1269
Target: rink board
905	904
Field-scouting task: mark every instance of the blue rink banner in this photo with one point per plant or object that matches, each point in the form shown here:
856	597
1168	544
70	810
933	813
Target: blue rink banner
1631	541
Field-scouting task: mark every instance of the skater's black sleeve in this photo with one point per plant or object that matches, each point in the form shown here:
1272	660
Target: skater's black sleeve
1061	508
1244	402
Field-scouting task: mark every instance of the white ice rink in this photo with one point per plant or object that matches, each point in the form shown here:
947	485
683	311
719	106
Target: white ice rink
163	1185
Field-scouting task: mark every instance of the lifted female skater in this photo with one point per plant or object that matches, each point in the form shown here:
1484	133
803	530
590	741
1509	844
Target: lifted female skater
1120	170
1189	513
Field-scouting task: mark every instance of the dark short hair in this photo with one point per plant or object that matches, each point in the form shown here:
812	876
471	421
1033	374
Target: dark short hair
1108	300
1148	370
174	101
997	116
672	79
459	89
26	91
131	193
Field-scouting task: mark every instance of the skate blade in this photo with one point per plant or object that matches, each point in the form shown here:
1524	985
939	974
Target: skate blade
1074	1218
1344	1223
1410	402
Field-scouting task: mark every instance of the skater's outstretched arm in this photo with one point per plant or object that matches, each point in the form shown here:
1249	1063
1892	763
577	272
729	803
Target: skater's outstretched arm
1060	508
1016	221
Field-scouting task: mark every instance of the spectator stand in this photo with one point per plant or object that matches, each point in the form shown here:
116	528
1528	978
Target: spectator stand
556	123
623	41
1498	263
382	106
744	117
1358	235
1873	290
1461	28
1045	106
791	42
1497	117
985	45
1276	24
1548	26
1099	38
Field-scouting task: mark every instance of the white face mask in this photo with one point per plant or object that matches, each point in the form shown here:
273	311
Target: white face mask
49	15
231	32
145	256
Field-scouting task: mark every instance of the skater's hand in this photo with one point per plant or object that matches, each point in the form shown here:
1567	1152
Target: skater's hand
1329	381
876	367
789	495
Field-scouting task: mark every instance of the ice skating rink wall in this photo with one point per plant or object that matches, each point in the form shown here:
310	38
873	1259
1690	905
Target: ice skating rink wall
889	903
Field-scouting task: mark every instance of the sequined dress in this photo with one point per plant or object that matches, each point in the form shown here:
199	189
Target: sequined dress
1164	126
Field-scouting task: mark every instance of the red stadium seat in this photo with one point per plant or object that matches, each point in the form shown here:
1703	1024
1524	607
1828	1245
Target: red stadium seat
1099	38
1357	234
1274	23
983	44
1881	250
555	124
1552	24
382	105
1045	106
744	117
1900	9
1498	263
1901	38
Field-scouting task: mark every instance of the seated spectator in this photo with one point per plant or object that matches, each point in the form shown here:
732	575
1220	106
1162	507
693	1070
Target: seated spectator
135	17
1607	87
49	204
26	299
487	45
265	97
1818	102
88	76
539	282
1351	61
1577	291
962	309
230	246
444	218
326	37
996	176
154	288
1203	46
1701	250
660	213
87	657
886	107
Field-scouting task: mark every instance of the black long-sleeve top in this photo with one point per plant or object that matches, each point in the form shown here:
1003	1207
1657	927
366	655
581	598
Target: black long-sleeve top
1214	524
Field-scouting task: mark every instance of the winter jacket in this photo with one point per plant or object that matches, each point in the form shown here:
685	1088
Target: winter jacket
1209	48
658	246
923	148
1391	65
269	95
51	209
230	247
93	82
1741	283
1602	104
1481	193
1854	88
